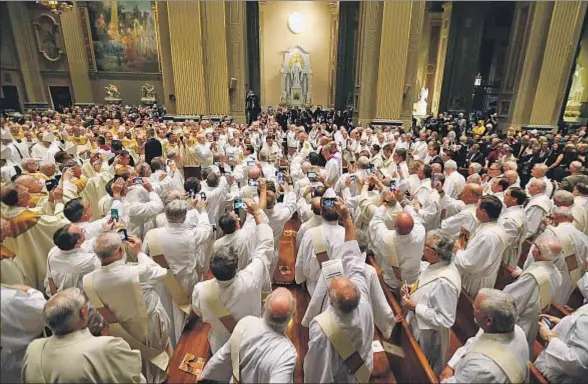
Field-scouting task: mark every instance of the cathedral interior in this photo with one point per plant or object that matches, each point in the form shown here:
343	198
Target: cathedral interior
522	60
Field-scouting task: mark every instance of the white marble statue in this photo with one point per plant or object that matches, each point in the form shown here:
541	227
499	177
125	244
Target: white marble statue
296	77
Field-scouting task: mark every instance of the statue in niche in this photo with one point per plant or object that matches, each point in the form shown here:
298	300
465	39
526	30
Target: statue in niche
420	107
148	93
112	94
296	77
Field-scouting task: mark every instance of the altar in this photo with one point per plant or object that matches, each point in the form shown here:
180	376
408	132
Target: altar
296	78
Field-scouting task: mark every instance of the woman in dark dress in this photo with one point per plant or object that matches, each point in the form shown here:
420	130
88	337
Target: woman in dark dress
567	156
553	159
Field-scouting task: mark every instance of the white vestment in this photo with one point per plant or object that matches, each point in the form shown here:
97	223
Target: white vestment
454	184
565	359
241	295
512	220
22	322
478	264
141	207
479	368
307	266
265	356
322	363
68	268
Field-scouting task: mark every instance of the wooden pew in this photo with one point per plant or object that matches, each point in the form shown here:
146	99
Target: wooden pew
414	367
194	340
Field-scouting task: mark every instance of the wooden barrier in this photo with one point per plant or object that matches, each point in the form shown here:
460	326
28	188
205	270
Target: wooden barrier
465	326
194	340
414	367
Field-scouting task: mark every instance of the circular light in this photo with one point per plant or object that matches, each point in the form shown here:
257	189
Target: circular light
296	22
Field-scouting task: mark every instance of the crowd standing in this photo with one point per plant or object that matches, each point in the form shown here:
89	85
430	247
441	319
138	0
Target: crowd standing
117	224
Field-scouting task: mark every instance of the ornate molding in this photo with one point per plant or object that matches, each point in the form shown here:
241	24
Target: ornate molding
47	32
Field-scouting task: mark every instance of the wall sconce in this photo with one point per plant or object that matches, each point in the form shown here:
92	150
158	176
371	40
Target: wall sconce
296	22
478	80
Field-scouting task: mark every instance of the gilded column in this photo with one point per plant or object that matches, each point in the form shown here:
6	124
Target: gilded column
564	31
77	58
334	28
186	52
411	90
165	55
28	57
237	57
370	23
392	63
441	55
214	38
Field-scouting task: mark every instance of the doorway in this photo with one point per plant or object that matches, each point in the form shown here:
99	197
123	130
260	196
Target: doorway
61	98
9	100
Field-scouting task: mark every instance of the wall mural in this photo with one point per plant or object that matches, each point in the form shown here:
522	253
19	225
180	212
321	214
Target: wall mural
124	36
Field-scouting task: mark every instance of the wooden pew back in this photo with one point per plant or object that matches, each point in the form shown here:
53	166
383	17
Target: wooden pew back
414	367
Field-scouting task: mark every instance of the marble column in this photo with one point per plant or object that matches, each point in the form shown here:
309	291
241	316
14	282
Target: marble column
214	39
564	32
185	31
165	56
441	55
370	24
401	31
333	43
26	49
77	58
237	57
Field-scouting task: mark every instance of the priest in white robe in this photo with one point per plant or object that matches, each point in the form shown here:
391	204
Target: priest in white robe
68	262
499	346
239	292
460	214
513	222
73	354
537	207
141	205
266	354
454	181
22	322
241	239
129	291
178	243
565	357
536	286
431	302
349	314
478	263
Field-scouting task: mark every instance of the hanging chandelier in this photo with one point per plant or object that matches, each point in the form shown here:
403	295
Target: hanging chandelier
57	7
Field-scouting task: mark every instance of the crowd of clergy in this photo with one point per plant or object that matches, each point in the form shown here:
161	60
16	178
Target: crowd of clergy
118	227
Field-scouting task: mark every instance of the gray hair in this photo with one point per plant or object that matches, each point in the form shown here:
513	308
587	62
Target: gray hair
563	197
62	311
342	303
567	213
540	183
106	244
170	196
474	178
276	321
451	164
443	245
476	166
541	168
224	263
263	155
45	164
512	165
500	308
548	246
176	210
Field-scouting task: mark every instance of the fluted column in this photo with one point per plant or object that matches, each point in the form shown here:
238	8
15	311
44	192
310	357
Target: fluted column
237	56
441	55
187	61
26	49
370	22
393	59
411	90
214	38
564	31
165	56
333	43
77	58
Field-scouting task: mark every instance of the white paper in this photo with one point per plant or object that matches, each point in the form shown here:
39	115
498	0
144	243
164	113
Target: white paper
377	346
332	269
393	349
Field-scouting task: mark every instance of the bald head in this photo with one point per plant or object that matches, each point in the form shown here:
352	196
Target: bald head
279	308
344	295
315	205
305	167
254	173
404	223
472	193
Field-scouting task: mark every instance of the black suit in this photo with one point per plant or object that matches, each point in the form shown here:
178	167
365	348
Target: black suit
476	158
152	149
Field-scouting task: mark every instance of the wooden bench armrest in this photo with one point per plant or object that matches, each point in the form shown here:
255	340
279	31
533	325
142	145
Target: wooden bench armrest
535	376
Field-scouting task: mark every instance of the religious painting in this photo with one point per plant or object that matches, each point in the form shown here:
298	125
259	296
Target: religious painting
124	36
